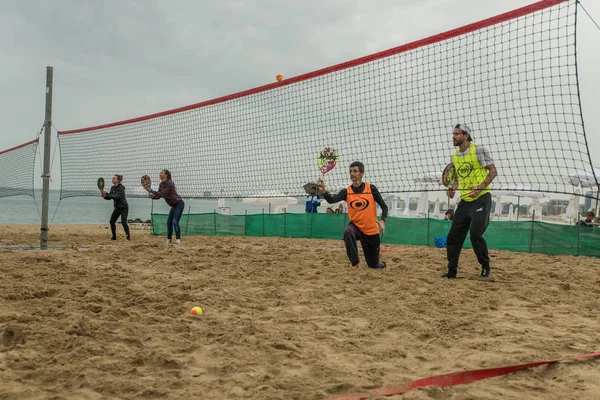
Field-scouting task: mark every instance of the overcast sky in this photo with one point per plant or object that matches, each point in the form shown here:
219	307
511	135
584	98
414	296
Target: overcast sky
121	59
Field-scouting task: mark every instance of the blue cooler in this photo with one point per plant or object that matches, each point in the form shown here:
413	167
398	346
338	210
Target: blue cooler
440	242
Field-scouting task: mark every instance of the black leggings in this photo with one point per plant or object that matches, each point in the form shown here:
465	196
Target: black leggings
113	219
369	243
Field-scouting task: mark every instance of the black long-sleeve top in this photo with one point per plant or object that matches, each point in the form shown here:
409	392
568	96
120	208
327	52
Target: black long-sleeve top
117	194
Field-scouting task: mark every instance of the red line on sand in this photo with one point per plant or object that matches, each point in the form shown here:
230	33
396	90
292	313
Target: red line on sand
519	12
454	378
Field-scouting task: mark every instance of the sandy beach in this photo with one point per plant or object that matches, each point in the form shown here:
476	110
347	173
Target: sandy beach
283	319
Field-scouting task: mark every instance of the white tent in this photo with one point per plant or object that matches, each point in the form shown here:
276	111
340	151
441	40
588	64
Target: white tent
394	210
436	209
585	179
221	206
423	204
572	211
535	210
406	204
511	215
498	208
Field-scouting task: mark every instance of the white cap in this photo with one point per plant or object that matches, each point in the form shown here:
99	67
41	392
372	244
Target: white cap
467	129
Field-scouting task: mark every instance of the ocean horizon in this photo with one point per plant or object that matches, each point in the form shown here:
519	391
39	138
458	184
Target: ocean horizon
96	210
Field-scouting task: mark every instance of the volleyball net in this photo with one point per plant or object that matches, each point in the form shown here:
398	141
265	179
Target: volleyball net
18	167
512	78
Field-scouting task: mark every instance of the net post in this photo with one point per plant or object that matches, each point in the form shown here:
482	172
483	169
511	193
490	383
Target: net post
311	225
531	236
284	222
245	222
578	232
597	196
46	172
187	221
263	222
427	239
215	221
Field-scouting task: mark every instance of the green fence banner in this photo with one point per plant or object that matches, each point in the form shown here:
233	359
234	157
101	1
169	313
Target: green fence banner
522	236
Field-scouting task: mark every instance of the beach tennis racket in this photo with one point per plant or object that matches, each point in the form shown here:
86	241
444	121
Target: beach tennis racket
327	160
449	175
146	182
101	183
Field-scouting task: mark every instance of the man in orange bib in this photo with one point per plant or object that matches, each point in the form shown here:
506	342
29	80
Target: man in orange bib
362	211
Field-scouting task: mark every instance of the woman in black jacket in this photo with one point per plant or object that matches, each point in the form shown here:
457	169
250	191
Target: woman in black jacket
167	191
117	194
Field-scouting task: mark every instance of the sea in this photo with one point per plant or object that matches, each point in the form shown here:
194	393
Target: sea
96	210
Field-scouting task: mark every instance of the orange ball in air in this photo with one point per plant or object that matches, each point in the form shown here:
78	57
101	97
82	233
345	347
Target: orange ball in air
279	77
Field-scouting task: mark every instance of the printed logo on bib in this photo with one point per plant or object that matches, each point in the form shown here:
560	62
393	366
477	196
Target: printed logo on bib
465	169
359	204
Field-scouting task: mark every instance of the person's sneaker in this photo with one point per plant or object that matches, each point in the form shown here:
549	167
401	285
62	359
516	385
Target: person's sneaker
380	265
485	272
178	241
128	238
113	238
168	240
355	266
449	275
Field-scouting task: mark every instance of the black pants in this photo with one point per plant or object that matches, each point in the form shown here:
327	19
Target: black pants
474	217
369	243
113	219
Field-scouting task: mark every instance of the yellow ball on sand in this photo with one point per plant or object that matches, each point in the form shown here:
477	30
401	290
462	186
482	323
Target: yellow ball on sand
196	311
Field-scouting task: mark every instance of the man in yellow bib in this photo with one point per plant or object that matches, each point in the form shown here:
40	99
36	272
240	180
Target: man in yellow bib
475	171
362	211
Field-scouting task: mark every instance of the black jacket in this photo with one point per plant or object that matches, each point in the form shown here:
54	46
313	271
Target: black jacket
117	193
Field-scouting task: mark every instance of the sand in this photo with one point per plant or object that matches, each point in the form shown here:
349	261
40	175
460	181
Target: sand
283	319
